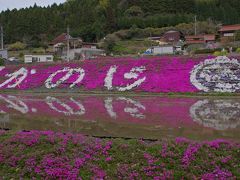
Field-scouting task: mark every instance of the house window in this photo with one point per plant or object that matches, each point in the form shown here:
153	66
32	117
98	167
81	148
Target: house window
49	58
34	59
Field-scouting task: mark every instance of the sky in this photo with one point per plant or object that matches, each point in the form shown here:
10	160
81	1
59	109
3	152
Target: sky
11	4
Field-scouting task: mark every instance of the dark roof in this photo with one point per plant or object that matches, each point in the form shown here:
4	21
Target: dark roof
61	38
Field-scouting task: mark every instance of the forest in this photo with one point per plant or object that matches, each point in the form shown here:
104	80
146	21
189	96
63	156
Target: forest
94	19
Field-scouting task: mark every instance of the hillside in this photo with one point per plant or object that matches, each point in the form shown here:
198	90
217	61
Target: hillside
94	19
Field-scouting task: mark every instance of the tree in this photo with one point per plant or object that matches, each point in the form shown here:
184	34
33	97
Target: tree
17	46
134	11
237	36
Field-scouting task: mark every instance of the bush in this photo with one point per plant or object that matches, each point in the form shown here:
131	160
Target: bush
220	53
206	51
17	46
238	50
1	62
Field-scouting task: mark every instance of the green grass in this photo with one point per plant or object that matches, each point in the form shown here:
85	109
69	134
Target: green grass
132	47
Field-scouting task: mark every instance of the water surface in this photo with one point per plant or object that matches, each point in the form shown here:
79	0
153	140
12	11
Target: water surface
124	116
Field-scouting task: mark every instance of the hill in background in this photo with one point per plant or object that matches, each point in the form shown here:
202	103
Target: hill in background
94	19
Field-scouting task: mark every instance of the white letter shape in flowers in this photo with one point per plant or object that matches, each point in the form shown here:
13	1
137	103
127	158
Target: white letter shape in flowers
133	74
70	71
21	73
218	75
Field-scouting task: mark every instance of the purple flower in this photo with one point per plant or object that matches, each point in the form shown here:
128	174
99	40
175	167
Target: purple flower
218	174
189	154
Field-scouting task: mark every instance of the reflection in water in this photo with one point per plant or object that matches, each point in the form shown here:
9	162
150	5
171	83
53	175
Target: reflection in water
218	114
153	112
53	103
133	111
15	103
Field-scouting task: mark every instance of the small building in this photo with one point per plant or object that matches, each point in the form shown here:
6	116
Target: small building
172	37
160	50
3	54
83	54
38	58
209	38
228	32
200	39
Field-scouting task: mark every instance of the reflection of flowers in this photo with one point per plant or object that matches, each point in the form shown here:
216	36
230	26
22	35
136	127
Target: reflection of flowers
15	103
218	114
133	111
52	102
220	75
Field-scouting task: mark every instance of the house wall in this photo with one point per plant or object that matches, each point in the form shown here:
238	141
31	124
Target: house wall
163	50
4	54
38	58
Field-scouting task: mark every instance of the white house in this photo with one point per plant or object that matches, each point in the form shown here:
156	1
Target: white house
38	58
159	50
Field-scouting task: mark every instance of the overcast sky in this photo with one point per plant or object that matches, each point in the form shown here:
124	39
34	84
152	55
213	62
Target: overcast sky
11	4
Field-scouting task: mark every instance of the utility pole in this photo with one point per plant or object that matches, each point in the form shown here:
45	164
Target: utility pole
195	25
68	46
2	46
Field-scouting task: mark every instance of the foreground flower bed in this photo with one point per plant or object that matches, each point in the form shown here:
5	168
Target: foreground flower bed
50	155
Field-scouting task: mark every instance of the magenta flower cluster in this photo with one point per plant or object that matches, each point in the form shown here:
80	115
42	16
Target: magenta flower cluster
53	155
159	74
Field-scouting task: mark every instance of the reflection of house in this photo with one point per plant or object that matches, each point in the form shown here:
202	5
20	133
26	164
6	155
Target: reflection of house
228	32
200	39
38	58
3	53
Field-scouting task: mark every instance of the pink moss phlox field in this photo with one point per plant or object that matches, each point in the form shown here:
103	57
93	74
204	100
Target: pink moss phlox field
54	155
163	74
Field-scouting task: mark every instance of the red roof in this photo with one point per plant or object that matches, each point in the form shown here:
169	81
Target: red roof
234	27
209	37
195	41
194	37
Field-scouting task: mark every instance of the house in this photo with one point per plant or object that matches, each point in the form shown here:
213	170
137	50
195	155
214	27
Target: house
84	53
3	54
194	39
200	39
63	38
209	38
172	37
38	58
169	37
228	32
